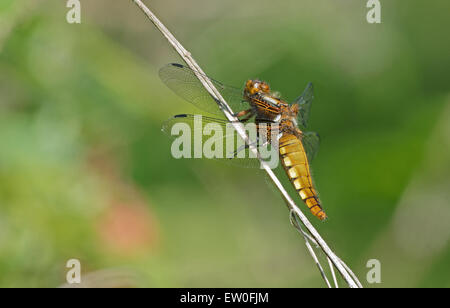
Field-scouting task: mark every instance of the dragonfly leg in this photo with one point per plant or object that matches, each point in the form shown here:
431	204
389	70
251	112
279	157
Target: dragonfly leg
255	143
248	112
246	146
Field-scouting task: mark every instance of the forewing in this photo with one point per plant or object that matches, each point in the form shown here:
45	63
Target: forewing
183	81
304	103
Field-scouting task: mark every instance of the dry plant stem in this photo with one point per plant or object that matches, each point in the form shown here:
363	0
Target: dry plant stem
333	273
215	94
308	239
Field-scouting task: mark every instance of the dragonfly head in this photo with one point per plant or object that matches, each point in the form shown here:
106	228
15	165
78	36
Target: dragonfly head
256	86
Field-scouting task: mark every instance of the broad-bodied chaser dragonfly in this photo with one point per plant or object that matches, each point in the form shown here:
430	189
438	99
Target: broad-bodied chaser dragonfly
296	148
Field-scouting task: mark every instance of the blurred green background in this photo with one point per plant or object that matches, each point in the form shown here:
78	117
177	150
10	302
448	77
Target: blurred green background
86	173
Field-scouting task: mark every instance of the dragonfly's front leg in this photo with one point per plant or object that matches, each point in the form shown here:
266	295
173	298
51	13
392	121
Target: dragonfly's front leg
249	112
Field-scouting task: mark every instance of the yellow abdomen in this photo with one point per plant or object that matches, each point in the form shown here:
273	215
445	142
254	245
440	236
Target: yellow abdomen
295	163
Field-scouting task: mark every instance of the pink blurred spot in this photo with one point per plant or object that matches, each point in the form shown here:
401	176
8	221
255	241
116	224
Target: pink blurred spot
129	229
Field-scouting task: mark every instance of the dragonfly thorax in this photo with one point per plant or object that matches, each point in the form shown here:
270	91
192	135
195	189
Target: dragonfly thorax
264	103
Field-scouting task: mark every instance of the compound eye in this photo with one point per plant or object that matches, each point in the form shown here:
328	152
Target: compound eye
250	87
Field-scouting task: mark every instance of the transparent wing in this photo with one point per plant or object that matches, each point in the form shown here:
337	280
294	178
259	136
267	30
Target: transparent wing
311	141
183	81
304	103
207	137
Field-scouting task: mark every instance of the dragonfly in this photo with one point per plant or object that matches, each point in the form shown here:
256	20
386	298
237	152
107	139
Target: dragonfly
254	103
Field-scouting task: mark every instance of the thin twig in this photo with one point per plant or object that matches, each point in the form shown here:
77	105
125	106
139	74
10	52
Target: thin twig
308	239
215	94
295	224
333	273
